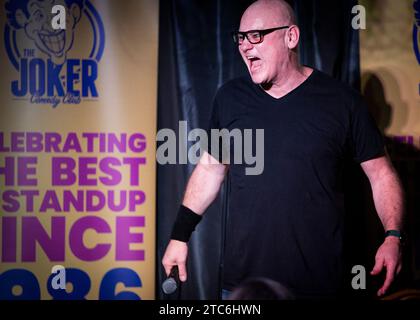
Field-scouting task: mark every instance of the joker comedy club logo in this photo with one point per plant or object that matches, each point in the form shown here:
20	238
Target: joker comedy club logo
53	67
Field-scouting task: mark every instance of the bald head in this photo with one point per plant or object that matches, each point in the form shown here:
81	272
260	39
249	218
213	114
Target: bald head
272	58
267	13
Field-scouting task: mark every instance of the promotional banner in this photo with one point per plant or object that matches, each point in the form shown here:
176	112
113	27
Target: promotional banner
77	149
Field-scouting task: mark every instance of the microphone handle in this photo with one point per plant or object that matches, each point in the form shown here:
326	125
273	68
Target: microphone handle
174	274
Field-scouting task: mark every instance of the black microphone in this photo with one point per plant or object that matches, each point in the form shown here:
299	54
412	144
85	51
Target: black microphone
171	283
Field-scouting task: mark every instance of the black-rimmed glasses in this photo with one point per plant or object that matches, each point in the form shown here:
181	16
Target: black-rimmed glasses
253	36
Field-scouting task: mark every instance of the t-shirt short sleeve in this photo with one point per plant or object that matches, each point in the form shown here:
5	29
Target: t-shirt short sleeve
366	140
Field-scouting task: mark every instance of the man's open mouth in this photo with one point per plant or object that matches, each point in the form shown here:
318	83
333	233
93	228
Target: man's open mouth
54	42
254	62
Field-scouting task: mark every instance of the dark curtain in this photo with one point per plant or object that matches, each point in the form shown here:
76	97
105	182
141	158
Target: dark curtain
196	56
328	41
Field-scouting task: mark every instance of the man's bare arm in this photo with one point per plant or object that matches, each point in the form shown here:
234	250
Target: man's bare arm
202	188
387	191
204	184
389	202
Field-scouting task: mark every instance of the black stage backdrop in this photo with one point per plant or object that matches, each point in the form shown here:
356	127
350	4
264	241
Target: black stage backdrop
196	56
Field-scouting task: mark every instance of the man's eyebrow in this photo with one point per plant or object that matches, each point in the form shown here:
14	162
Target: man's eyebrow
252	30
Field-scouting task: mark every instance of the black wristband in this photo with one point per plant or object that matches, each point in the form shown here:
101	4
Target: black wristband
395	233
185	224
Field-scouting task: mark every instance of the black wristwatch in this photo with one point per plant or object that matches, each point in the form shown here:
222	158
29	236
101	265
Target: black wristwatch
394	233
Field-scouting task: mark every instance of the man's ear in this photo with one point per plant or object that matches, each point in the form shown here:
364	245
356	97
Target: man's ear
76	12
293	35
20	18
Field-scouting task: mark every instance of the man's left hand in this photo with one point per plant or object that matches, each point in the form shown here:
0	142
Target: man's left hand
388	256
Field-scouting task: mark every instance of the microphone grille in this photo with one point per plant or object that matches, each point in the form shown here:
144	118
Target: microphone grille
169	286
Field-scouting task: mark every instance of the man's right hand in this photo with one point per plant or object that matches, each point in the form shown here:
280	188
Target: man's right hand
176	255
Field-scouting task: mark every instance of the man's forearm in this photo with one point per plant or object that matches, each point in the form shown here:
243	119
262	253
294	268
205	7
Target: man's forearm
389	199
204	184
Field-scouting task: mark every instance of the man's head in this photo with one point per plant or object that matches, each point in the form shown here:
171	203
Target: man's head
35	16
269	60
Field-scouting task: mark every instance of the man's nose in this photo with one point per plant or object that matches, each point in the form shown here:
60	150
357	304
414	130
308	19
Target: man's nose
245	45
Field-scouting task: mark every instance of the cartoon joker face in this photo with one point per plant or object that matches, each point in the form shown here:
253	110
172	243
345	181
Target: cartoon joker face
35	17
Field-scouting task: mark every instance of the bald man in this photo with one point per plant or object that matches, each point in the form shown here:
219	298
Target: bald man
286	224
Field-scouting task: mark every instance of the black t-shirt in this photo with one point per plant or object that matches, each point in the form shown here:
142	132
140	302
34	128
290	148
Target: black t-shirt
286	224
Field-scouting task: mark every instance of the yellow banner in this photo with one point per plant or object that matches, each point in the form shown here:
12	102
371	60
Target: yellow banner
77	149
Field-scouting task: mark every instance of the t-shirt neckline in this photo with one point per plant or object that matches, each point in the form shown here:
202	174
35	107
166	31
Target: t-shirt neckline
265	95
